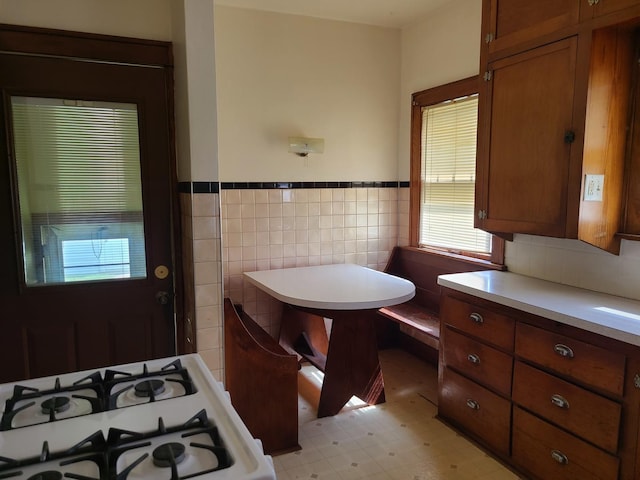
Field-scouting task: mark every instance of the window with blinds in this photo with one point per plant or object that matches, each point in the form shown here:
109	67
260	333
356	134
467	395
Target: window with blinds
79	190
448	158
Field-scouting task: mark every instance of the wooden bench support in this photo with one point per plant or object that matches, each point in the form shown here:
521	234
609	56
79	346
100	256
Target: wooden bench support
262	380
352	343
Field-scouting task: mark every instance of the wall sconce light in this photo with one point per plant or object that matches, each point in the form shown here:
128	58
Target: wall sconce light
303	146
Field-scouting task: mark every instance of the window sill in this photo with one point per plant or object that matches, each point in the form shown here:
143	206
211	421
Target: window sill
461	258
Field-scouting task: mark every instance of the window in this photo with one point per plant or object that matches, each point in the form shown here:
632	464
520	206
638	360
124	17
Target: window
443	173
79	186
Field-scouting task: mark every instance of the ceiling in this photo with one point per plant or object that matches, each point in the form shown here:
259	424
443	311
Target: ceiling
385	13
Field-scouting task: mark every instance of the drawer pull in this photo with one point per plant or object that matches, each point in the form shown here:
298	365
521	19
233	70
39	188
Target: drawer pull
559	401
563	350
473	358
476	317
472	404
559	457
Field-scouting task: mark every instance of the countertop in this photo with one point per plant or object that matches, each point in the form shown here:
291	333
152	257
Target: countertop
607	315
333	287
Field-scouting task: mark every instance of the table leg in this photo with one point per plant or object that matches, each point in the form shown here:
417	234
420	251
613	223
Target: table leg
352	366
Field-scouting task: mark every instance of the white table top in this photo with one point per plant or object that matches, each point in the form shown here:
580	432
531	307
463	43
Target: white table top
607	315
333	287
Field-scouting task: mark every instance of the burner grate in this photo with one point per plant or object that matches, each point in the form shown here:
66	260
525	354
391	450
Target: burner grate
96	393
157	451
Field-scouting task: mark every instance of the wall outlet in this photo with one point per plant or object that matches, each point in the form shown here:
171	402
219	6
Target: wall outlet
593	186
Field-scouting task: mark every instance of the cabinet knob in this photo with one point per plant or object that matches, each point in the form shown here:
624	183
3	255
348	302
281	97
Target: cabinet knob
569	136
472	404
473	358
476	317
563	350
559	457
559	401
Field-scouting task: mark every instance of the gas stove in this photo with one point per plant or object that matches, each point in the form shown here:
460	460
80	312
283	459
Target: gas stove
162	419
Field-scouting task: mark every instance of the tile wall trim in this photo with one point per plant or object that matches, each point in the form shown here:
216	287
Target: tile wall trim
293	185
199	187
215	187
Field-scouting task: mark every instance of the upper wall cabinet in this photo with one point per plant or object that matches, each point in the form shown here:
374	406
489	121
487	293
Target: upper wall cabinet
528	109
524	23
554	117
598	8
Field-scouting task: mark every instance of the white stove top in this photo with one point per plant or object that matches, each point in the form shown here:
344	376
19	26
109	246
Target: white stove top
23	437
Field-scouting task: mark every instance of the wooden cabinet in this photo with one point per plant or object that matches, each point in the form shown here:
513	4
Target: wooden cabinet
598	8
476	368
580	361
479	411
554	107
528	135
544	452
523	22
552	400
576	409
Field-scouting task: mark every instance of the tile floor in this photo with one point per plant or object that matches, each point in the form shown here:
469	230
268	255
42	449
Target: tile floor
399	440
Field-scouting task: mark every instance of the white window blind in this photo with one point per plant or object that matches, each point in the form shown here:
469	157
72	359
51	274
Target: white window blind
448	159
80	190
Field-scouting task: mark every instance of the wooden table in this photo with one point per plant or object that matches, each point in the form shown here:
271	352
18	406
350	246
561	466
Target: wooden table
349	295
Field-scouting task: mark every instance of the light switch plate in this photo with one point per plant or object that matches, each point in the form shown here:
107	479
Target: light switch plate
593	186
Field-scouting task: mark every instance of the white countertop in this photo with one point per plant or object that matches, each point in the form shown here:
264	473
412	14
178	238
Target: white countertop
608	315
333	287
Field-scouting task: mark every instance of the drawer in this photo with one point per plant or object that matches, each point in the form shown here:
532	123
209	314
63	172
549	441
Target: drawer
596	366
478	361
547	452
475	409
481	323
588	415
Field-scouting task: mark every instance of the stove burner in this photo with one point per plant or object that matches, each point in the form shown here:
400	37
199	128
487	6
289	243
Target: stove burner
147	388
55	404
167	454
48	475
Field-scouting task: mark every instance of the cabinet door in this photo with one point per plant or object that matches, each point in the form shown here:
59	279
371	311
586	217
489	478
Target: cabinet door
598	8
525	134
514	22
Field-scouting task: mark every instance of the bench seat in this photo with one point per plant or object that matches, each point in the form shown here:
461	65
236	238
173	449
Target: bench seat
418	319
426	324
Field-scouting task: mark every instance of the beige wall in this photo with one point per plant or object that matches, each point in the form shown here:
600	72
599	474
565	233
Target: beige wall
150	19
285	75
440	49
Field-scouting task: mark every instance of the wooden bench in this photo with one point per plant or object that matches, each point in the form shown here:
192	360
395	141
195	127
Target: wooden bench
419	318
262	380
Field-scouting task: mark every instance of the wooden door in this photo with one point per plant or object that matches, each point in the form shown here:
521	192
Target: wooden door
524	154
52	321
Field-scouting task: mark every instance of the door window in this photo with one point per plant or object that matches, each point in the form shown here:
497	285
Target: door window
77	165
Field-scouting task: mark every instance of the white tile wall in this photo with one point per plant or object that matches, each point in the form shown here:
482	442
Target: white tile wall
280	228
576	263
207	278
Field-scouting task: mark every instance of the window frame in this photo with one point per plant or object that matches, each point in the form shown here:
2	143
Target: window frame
424	98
